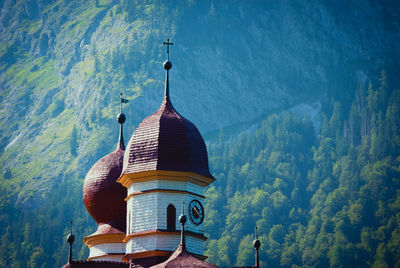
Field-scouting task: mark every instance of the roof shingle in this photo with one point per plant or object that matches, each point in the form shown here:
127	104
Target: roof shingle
166	141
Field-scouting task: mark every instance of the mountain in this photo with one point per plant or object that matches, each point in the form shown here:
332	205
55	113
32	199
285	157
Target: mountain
64	63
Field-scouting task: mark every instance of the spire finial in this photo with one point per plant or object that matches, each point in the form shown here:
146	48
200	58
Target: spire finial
256	245
167	66
168	44
182	220
121	119
70	240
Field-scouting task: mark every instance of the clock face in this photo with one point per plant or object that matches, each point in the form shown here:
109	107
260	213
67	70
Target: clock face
196	212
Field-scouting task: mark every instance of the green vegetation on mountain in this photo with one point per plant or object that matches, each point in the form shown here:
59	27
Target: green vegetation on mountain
320	195
326	200
331	199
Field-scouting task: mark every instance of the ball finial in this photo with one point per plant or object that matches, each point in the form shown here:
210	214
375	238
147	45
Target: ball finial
167	65
70	239
182	219
121	118
256	244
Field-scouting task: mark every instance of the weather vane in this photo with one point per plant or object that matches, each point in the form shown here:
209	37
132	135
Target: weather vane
122	100
168	44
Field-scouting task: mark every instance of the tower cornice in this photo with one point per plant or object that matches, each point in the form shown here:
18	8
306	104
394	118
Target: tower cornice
127	179
163	191
93	240
163	232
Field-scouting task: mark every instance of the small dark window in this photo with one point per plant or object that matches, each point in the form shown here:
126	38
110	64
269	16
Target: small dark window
171	217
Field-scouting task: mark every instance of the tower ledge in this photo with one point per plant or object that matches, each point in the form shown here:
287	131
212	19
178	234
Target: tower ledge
127	179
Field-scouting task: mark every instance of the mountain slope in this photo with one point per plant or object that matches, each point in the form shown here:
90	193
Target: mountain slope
326	201
63	64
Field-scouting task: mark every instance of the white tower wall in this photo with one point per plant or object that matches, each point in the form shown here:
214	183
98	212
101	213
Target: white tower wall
147	213
107	252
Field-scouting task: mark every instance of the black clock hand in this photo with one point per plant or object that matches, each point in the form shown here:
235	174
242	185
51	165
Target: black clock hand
197	213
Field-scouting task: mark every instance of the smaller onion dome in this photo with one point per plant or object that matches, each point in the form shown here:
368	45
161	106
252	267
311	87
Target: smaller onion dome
102	195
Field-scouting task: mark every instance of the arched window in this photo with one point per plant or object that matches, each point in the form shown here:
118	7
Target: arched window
171	217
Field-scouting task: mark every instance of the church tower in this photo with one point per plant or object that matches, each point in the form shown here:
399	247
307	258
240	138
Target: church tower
165	172
136	194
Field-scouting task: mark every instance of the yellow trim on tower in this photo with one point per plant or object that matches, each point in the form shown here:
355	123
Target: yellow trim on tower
106	255
163	232
155	253
127	179
93	240
163	191
147	254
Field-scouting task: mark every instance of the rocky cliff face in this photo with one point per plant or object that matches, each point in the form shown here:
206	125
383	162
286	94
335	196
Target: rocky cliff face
63	64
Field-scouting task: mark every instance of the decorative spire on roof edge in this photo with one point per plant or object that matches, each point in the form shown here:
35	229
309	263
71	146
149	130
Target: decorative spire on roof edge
256	245
70	240
182	220
121	120
167	66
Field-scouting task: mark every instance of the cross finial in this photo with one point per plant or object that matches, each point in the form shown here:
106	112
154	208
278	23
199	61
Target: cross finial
168	44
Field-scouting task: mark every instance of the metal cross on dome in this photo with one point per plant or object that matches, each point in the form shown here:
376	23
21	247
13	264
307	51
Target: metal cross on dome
168	44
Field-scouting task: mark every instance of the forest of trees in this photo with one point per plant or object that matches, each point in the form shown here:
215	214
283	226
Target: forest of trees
322	199
331	199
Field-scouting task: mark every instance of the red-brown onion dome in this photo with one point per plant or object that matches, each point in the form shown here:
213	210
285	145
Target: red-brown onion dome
102	195
166	141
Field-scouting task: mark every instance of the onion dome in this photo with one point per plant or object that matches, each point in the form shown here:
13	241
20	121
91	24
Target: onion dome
166	141
102	195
